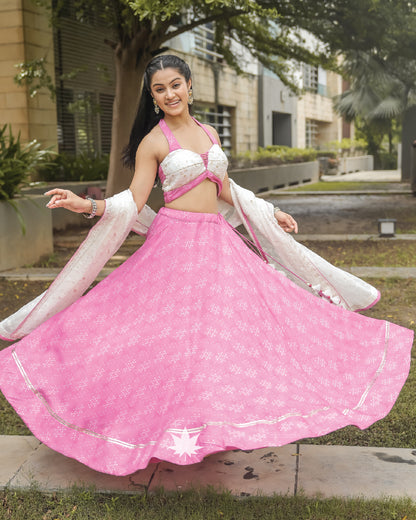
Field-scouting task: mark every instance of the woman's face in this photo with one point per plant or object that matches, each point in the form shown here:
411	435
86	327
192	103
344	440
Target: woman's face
170	91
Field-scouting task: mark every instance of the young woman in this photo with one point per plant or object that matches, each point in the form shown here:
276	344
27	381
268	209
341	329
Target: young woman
195	344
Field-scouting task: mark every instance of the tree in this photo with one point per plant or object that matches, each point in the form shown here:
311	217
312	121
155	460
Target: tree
140	29
374	101
383	80
270	29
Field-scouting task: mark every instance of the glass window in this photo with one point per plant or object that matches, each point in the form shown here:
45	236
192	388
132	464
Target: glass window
205	42
311	134
310	78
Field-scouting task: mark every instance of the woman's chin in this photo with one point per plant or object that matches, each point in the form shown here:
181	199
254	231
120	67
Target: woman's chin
174	110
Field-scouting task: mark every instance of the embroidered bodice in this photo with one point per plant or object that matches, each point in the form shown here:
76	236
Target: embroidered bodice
182	169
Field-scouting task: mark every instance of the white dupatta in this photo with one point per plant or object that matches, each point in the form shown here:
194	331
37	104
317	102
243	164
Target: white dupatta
120	217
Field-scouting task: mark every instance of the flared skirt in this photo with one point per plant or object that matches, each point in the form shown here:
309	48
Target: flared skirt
195	345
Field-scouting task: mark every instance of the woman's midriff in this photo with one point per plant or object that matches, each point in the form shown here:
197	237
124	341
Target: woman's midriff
201	199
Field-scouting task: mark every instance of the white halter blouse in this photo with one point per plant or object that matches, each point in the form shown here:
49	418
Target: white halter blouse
182	169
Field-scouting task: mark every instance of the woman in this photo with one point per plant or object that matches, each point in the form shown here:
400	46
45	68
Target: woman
195	344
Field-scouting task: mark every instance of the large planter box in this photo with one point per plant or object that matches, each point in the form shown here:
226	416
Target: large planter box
266	178
62	218
18	249
354	164
347	165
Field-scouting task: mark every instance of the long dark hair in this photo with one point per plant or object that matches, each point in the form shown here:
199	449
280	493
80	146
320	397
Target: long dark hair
146	118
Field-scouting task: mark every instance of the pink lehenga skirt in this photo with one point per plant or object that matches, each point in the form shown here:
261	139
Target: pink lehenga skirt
193	346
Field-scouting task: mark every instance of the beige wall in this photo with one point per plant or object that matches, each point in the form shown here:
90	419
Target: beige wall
25	35
320	109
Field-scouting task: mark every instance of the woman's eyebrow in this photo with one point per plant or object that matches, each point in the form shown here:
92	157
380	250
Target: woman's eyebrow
161	84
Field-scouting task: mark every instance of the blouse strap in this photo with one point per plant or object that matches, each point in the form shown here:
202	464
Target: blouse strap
173	143
209	134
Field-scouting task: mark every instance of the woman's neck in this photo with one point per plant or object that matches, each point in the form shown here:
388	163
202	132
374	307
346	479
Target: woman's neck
179	120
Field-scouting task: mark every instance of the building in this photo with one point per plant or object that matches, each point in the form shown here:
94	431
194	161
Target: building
250	110
300	121
79	119
25	35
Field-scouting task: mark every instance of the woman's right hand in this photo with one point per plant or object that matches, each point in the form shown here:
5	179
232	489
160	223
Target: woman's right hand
68	200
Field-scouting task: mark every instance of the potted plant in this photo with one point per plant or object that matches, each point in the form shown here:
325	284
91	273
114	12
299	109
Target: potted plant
25	223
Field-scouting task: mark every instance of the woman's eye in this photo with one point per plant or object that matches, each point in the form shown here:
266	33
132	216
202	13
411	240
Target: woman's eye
176	85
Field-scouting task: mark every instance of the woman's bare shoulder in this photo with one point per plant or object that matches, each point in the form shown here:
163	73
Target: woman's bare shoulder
213	131
154	143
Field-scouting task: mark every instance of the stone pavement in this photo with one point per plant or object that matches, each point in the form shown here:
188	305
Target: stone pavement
365	176
49	274
296	468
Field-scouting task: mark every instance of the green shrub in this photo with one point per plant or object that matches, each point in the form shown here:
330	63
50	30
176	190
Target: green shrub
18	162
83	167
327	153
385	161
273	155
347	146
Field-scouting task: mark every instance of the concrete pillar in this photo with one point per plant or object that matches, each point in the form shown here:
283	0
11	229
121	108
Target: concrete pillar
25	35
408	136
413	169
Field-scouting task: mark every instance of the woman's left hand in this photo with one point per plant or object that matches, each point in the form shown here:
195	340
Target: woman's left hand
286	221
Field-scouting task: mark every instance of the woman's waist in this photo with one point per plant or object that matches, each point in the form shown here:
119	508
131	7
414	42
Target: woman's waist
200	199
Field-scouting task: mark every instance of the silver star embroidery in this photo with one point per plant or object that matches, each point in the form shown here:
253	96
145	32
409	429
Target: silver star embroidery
185	445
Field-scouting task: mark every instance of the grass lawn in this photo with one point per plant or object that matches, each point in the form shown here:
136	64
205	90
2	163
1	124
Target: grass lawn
83	504
349	186
379	253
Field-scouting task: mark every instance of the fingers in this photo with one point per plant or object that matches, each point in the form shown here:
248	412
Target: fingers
287	222
58	196
295	225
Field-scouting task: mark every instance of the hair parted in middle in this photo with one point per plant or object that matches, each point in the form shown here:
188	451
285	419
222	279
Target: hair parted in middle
146	118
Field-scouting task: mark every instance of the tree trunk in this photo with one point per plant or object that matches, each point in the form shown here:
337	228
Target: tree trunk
390	134
129	76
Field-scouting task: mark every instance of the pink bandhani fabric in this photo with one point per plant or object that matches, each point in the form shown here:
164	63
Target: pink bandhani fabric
195	345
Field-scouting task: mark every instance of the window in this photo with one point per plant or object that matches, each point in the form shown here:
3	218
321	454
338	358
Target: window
106	121
84	122
66	120
85	14
84	73
220	119
311	133
310	78
205	42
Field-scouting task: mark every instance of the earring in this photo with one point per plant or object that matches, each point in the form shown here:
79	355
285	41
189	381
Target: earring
190	97
156	106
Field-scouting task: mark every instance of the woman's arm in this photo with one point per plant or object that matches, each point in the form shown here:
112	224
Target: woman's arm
141	185
68	200
285	221
145	170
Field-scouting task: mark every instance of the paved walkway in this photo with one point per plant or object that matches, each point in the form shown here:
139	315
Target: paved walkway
366	176
49	274
313	470
38	274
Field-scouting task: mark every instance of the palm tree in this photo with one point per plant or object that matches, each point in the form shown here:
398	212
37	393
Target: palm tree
382	90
